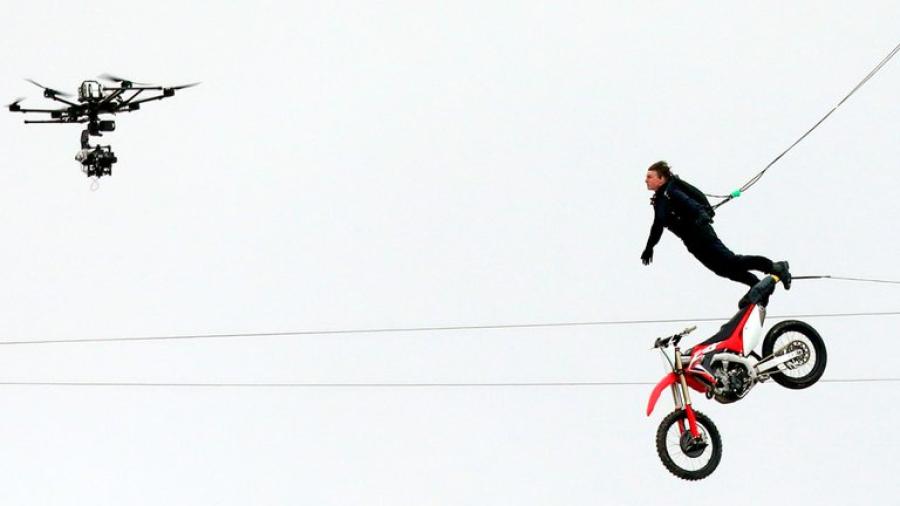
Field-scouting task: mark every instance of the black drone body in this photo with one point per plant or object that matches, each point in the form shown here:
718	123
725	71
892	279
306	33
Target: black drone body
95	100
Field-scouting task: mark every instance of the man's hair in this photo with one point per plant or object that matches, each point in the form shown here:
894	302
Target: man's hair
662	169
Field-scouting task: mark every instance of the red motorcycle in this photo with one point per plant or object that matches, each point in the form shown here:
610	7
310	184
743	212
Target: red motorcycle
725	367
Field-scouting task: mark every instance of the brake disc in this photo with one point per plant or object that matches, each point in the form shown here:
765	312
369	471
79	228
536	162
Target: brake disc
800	359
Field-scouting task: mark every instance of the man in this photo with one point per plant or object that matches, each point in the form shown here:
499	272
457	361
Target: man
685	211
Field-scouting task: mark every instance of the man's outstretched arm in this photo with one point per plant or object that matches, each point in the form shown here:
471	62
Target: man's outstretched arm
656	230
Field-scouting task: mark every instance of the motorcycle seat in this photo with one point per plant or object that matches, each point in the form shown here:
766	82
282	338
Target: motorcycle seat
724	332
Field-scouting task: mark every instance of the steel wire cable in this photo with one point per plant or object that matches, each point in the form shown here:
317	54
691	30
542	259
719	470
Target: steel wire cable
844	278
425	329
759	175
125	384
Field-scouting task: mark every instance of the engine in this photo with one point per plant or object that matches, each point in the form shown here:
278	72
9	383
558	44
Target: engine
733	378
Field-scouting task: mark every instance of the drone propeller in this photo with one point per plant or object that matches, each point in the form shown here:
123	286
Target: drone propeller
51	91
183	86
117	79
14	106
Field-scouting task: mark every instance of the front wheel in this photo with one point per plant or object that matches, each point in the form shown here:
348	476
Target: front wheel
809	365
684	456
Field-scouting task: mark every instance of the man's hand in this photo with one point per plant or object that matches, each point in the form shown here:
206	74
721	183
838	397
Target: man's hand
647	256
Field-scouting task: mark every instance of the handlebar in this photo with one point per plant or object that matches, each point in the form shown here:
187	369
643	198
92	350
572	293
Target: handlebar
663	342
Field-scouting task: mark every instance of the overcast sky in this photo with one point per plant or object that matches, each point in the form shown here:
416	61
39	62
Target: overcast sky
373	165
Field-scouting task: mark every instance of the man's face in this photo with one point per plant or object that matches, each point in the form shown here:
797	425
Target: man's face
654	181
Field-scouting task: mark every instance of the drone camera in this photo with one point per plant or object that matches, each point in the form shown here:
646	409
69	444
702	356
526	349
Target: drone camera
105	161
97	162
97	171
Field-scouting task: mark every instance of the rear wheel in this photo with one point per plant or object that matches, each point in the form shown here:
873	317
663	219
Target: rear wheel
809	365
684	456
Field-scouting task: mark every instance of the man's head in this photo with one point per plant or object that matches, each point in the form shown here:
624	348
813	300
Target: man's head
657	175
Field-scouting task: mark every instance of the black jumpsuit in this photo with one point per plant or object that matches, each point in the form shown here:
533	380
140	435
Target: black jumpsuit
690	221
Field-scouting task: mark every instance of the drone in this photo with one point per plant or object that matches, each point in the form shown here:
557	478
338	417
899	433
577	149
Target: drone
94	100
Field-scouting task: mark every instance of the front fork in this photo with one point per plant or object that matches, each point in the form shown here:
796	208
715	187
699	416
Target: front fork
683	399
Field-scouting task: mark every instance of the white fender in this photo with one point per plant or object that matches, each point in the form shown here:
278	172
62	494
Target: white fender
753	329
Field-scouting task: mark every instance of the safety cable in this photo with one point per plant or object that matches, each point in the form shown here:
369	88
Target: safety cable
377	385
430	329
842	278
758	176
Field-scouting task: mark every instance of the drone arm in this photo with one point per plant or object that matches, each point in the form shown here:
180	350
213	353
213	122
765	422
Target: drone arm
149	99
114	95
29	121
129	100
138	88
19	109
54	97
119	92
132	102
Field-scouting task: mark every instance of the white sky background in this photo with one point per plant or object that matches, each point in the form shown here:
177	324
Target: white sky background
373	165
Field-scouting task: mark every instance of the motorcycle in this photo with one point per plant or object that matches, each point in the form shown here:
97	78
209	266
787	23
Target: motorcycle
725	367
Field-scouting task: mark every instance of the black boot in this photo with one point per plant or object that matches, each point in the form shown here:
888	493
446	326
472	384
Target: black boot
759	293
782	270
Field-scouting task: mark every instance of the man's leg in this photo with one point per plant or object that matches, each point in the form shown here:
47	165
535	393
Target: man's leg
763	264
754	263
734	272
706	246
